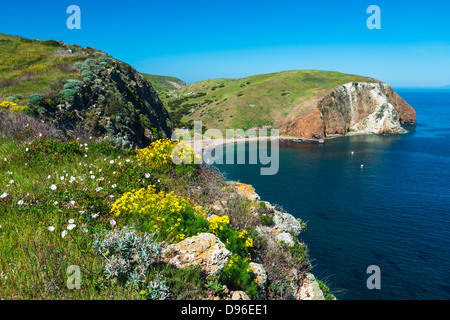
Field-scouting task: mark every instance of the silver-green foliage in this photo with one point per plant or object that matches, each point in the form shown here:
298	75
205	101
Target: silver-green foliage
128	255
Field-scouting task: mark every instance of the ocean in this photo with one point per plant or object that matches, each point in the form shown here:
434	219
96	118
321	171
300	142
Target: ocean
394	212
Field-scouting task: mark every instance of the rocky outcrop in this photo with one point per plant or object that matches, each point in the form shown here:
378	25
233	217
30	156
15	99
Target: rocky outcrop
354	108
204	249
285	229
309	290
109	98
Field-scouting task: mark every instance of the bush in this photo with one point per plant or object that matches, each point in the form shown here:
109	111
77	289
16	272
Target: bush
72	84
173	217
236	275
36	98
14	107
68	94
128	255
157	289
51	43
158	156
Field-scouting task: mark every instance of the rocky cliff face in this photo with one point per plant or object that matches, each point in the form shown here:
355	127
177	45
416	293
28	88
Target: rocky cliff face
354	108
109	98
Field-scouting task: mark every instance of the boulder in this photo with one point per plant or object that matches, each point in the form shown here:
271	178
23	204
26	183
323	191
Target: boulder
260	274
309	290
204	249
239	295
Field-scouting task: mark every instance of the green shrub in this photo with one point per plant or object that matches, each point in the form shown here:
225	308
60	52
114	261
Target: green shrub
68	94
36	98
51	43
326	291
236	275
128	255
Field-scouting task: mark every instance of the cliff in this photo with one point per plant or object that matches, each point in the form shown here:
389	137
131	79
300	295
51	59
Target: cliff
353	108
304	103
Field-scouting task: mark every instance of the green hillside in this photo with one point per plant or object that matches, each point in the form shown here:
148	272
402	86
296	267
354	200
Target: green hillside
32	66
75	88
164	84
255	101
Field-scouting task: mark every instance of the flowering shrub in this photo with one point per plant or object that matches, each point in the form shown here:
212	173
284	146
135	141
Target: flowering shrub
172	216
14	107
235	241
237	275
158	155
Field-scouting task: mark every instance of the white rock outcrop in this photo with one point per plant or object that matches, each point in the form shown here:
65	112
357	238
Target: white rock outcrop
204	249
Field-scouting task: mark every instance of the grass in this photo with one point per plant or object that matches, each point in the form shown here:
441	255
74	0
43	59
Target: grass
33	66
255	101
57	196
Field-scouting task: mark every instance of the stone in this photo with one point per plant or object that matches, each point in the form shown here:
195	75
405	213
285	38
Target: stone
260	274
239	295
205	250
309	290
286	238
245	190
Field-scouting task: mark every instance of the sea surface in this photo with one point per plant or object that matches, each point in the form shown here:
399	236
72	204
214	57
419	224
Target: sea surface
394	212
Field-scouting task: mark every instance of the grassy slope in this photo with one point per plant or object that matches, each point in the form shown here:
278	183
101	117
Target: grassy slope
257	100
31	66
164	85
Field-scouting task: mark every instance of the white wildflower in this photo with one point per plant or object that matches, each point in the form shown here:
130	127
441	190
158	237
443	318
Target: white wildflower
113	222
51	228
3	195
53	187
63	234
20	202
147	175
71	226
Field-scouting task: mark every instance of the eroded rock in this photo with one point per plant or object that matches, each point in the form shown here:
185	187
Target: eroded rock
204	249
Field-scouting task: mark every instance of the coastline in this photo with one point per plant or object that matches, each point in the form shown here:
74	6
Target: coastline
212	143
285	229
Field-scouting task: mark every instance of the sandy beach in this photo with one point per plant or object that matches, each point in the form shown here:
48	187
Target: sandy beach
211	143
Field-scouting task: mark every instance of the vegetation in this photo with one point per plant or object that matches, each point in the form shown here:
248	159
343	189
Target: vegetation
110	211
32	66
79	198
255	101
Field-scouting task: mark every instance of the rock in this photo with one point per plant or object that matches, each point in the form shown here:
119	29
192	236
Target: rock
285	222
260	274
354	107
204	249
285	237
111	97
245	190
309	290
239	295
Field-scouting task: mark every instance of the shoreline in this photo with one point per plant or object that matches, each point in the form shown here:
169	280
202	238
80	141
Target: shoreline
212	143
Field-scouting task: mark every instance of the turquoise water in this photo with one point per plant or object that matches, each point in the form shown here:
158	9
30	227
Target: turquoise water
394	212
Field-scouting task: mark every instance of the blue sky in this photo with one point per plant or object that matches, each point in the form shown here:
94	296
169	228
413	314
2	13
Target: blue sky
197	40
